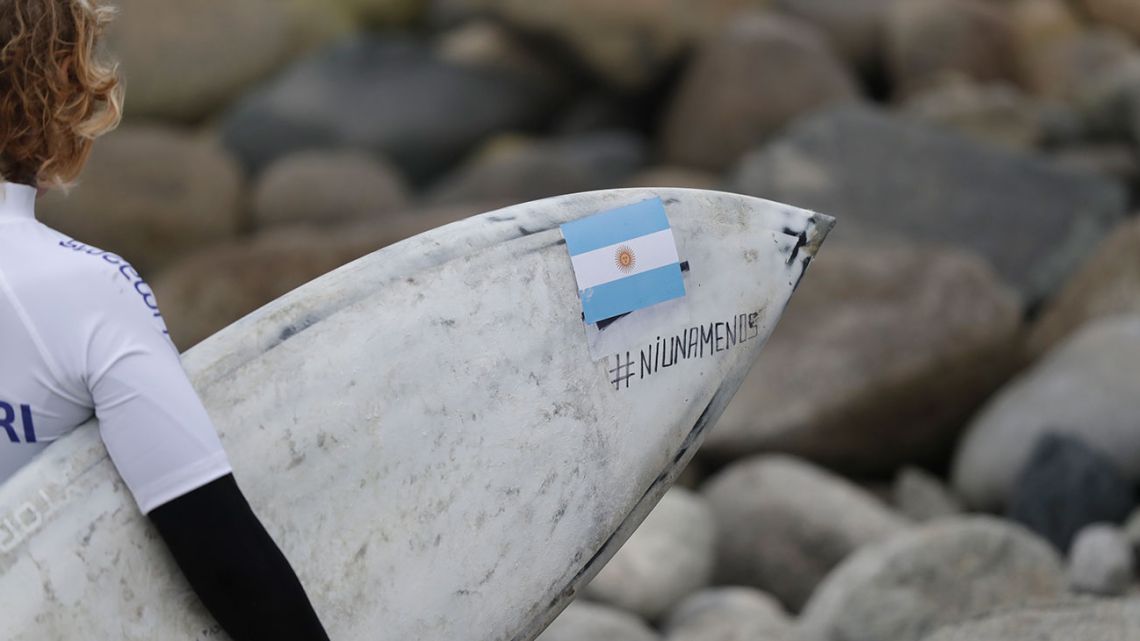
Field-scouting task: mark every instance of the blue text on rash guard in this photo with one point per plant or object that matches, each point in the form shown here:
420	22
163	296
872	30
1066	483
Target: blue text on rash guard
140	286
10	418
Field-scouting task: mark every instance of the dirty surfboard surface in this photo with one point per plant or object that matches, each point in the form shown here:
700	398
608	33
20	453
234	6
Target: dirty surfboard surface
425	432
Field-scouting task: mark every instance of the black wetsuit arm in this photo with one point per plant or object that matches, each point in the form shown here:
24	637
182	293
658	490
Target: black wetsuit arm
235	567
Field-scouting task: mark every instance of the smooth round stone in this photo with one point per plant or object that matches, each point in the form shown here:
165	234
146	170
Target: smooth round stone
328	187
947	572
1101	561
784	524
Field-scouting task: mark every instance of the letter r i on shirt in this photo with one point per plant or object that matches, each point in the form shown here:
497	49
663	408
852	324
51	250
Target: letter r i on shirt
9	420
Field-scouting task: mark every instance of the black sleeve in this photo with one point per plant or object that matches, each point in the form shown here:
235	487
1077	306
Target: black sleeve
235	567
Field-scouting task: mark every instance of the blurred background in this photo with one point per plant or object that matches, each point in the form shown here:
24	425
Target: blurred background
942	439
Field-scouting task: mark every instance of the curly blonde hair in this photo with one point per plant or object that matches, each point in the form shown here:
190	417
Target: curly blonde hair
56	98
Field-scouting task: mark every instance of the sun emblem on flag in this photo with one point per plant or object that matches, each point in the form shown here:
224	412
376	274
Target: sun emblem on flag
625	259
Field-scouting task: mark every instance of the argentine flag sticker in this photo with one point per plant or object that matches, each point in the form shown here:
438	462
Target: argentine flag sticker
624	259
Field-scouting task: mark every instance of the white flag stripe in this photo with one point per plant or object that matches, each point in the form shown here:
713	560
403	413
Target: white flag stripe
600	266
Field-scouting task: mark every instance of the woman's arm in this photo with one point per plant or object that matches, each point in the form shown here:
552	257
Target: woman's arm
235	567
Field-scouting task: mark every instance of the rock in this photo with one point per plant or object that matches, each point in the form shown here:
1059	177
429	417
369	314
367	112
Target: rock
1132	533
151	194
1103	620
672	176
627	44
922	497
587	622
381	13
943	573
784	524
998	114
1110	102
726	103
389	95
1071	68
1107	284
327	187
929	41
1039	27
1101	561
214	287
730	614
518	170
1066	485
1121	14
940	329
670	556
853	27
862	165
482	43
186	60
1086	388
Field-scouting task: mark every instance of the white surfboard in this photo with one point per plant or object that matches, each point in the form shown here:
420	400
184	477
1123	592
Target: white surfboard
425	432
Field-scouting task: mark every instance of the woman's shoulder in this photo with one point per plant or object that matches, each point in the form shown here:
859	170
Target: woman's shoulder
49	263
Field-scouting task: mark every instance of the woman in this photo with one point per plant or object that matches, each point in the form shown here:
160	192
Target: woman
80	334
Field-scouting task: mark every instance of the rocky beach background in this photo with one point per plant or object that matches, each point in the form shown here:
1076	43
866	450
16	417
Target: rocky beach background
941	442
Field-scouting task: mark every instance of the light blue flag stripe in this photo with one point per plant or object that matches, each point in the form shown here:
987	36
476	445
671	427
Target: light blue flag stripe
632	293
614	226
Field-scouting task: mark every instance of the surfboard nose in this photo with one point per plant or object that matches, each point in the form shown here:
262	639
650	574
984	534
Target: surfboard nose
821	226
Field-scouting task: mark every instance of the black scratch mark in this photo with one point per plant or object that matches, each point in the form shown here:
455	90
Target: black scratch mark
803	272
292	330
801	242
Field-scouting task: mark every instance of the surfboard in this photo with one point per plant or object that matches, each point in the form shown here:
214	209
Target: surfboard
428	432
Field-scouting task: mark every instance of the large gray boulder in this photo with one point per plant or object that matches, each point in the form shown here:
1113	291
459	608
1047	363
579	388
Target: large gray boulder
730	614
390	95
669	556
784	524
947	572
1088	387
151	194
726	104
1034	222
582	621
1082	620
906	341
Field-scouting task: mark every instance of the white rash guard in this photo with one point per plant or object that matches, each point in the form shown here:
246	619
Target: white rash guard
81	334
